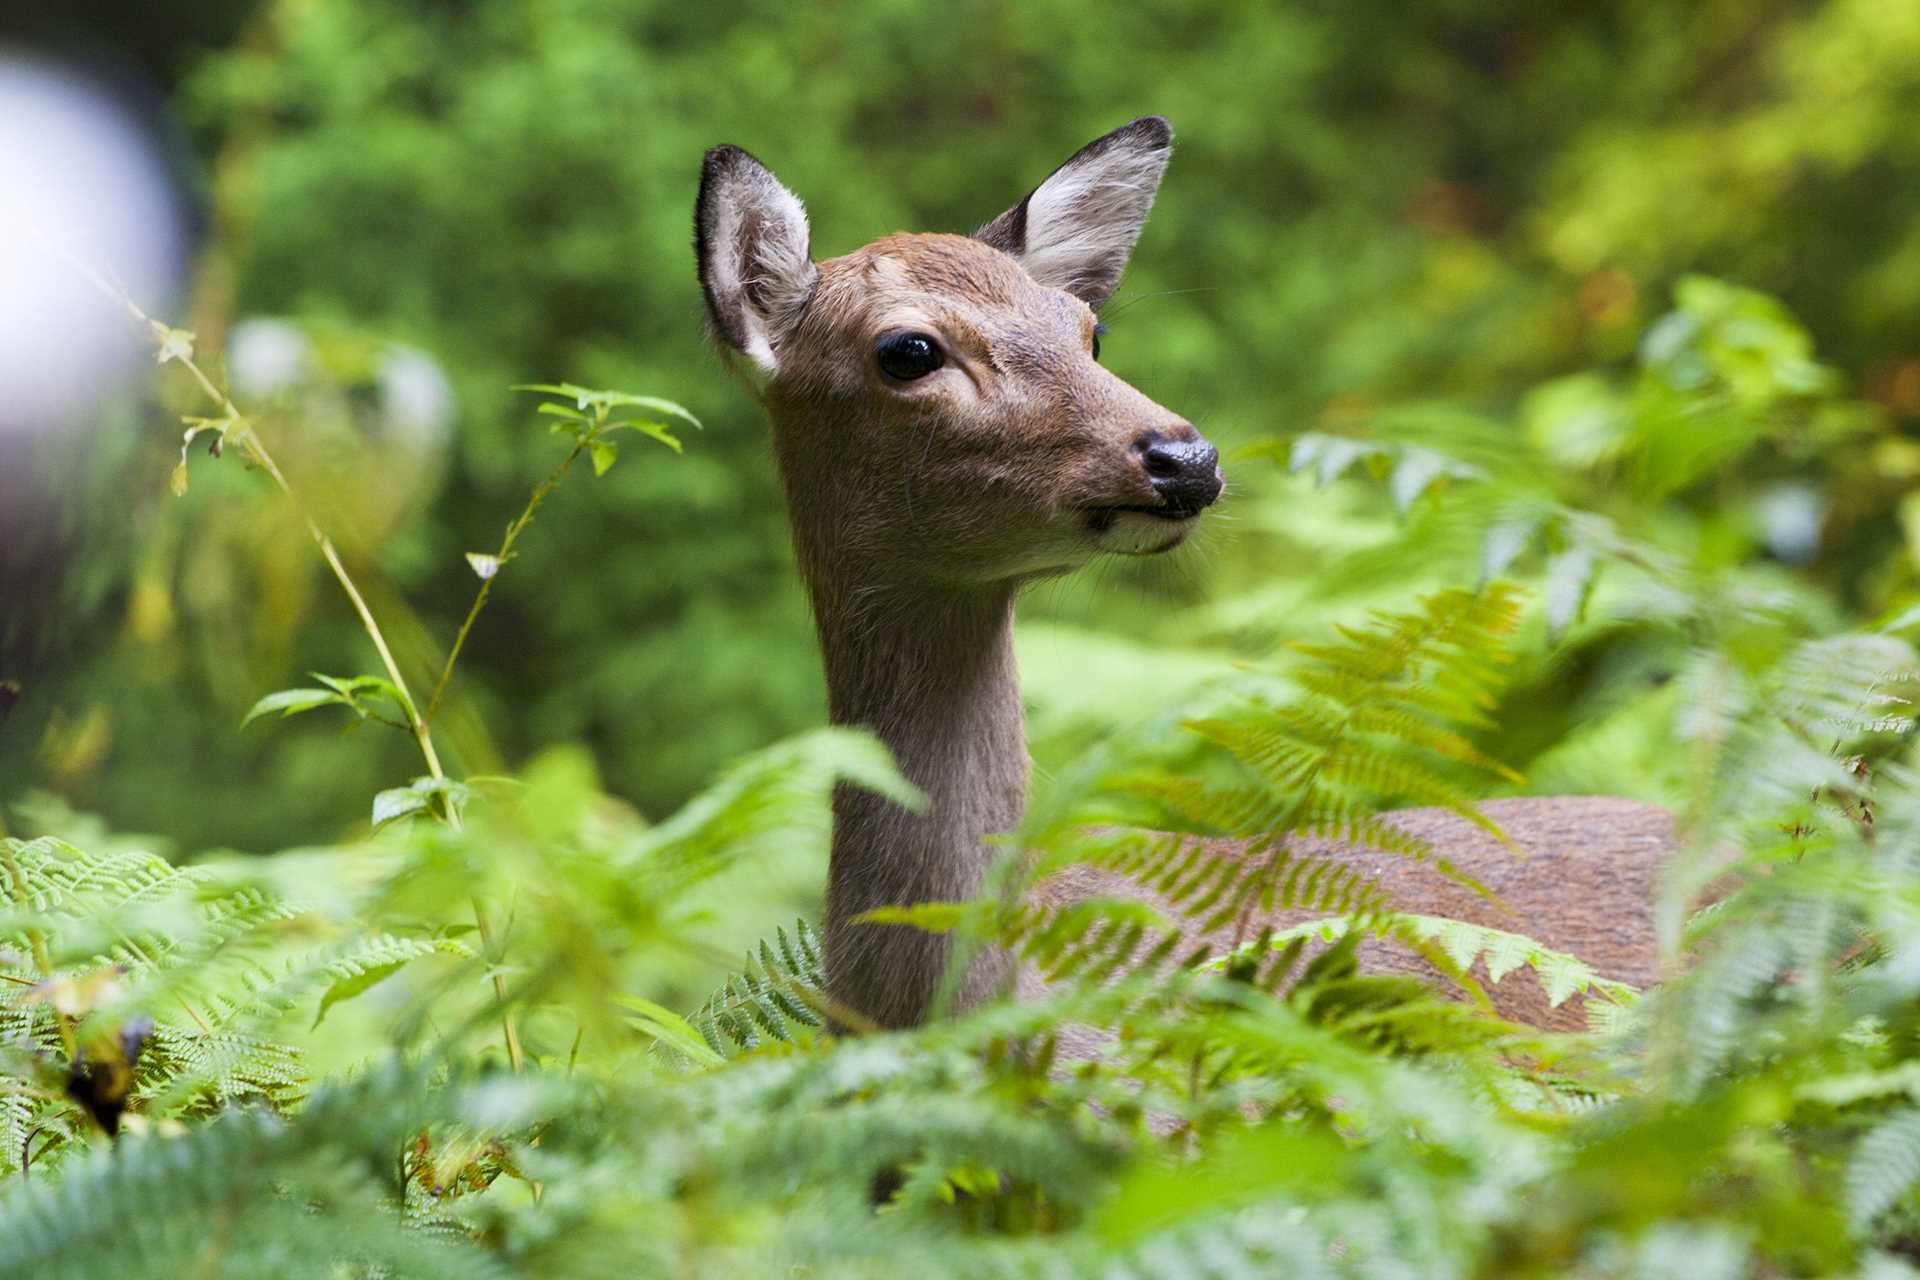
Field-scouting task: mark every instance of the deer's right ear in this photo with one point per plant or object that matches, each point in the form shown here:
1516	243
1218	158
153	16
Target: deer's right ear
756	269
1076	230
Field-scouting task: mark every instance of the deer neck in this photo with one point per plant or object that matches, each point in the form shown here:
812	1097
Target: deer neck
930	671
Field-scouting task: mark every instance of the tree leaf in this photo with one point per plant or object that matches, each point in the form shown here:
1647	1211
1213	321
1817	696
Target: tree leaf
605	453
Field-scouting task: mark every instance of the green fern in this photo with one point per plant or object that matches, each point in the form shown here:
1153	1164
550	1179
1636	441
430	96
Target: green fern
189	973
202	1202
772	997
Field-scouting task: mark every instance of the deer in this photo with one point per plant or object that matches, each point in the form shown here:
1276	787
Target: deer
946	436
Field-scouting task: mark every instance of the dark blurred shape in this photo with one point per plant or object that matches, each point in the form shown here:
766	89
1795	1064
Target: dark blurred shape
152	40
101	1081
93	173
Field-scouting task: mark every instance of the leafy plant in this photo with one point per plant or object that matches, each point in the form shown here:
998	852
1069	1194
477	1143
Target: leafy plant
453	1044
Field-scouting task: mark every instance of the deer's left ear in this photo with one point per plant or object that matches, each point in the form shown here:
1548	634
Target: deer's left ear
752	241
1076	230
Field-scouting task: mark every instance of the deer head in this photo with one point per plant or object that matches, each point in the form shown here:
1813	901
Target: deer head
940	413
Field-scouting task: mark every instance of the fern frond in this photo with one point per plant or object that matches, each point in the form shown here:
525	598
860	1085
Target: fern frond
1561	976
1884	1167
774	997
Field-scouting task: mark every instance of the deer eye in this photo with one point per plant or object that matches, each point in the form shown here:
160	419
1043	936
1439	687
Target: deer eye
907	356
1098	329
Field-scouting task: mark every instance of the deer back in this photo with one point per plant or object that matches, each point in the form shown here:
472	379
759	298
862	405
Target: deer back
1579	876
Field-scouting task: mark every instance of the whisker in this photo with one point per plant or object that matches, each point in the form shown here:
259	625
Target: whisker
1108	312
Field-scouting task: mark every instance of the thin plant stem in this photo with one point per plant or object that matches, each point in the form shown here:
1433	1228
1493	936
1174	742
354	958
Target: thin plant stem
241	430
514	530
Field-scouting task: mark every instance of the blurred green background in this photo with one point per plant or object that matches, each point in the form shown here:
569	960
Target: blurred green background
1379	218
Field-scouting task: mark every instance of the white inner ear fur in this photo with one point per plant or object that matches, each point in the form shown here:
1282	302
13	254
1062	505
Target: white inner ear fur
760	262
1083	221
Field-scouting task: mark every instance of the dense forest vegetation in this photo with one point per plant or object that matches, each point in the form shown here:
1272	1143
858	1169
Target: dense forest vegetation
1566	365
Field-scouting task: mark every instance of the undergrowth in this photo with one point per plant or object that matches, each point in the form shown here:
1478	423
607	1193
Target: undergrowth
439	1049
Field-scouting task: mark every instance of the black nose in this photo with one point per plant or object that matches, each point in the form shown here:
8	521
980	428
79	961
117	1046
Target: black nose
1185	473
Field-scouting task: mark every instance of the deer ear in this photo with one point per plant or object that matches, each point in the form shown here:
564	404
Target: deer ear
1076	230
751	237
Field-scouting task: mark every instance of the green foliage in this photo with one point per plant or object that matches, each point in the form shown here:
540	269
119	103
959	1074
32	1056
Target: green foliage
162	990
197	1201
1545	529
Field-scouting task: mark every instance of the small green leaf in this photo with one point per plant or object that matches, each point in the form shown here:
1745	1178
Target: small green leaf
605	453
396	803
670	1029
588	398
291	702
353	690
1507	952
348	988
653	429
419	797
1562	976
623	400
178	480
